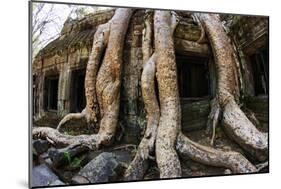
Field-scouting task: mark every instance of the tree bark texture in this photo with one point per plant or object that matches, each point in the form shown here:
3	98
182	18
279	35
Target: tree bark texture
106	85
170	114
163	130
234	161
139	165
109	76
168	133
91	111
234	121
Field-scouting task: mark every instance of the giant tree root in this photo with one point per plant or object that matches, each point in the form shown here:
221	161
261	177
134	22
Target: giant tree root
235	122
62	140
106	88
164	121
234	161
139	165
91	111
102	82
170	114
165	153
251	116
241	130
69	117
166	156
109	76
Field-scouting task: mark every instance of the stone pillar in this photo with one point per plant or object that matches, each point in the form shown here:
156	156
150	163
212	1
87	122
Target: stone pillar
248	81
41	83
64	91
130	92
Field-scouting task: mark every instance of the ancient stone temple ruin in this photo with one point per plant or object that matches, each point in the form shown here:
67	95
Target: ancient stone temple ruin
59	71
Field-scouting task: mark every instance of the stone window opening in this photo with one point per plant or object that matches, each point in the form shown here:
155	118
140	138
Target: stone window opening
77	95
51	93
193	77
260	66
35	97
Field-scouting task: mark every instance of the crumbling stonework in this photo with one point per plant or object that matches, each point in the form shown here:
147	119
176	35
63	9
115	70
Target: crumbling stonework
70	53
250	34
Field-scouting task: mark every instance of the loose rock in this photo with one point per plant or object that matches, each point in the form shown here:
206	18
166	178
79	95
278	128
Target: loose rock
103	168
65	155
43	176
40	146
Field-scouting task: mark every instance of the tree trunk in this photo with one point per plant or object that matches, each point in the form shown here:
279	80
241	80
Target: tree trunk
234	121
108	82
90	113
169	124
109	76
210	156
168	133
139	165
163	131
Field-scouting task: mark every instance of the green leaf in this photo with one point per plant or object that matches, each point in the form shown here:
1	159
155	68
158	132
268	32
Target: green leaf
67	156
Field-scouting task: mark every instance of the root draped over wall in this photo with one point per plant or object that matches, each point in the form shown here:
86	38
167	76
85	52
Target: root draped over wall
234	121
170	141
102	85
163	137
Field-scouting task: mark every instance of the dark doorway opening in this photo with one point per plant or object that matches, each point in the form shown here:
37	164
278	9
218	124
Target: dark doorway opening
51	93
193	77
34	93
78	99
260	68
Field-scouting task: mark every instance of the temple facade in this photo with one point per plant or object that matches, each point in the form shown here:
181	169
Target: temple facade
59	70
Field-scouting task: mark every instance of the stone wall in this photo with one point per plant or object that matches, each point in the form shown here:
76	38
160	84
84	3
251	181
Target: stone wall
194	114
71	51
131	74
249	33
260	107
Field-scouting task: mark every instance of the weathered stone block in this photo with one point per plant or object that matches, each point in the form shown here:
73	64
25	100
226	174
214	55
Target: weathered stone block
104	168
40	146
43	176
188	48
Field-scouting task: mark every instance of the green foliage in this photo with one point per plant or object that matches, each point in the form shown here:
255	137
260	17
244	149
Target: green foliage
67	156
76	162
